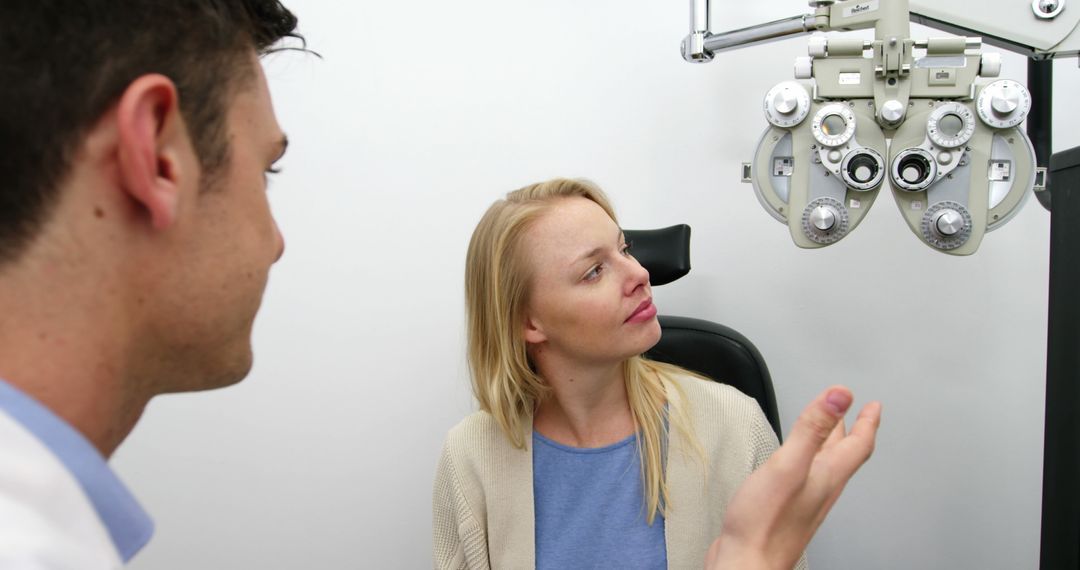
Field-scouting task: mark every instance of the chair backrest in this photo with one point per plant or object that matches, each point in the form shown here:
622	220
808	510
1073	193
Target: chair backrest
710	349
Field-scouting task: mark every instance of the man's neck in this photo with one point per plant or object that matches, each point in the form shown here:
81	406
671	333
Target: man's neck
63	342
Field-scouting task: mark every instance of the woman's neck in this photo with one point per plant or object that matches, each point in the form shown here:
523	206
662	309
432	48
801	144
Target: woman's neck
587	406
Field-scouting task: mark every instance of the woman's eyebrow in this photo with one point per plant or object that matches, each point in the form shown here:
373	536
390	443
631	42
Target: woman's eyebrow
591	253
620	238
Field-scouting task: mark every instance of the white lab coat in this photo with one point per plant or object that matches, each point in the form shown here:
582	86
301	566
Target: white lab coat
46	520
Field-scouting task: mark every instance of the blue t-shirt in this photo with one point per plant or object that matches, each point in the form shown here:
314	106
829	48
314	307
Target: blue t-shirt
590	509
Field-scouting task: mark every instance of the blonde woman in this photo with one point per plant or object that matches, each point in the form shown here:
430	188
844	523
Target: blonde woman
585	454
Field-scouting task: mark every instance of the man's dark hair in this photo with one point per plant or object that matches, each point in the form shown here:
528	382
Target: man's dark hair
64	63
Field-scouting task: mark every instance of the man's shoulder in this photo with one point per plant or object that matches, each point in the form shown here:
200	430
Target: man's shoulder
44	514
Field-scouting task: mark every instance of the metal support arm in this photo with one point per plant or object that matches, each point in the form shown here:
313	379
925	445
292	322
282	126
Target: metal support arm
700	45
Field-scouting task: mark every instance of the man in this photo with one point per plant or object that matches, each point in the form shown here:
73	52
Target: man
135	242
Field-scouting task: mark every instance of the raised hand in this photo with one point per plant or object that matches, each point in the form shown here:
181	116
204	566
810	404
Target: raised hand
777	510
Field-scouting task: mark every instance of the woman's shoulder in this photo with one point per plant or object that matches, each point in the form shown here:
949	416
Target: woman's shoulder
713	396
718	411
479	455
479	439
727	423
476	428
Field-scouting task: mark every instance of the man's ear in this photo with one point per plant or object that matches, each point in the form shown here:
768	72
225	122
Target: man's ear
533	331
153	140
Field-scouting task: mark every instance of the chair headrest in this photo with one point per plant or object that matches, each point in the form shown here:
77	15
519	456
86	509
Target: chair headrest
665	252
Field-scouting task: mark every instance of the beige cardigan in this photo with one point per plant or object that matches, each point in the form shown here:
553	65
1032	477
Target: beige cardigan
483	497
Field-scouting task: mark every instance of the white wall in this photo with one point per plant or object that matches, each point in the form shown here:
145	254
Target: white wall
419	116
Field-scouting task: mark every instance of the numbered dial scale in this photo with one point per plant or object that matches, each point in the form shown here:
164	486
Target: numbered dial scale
786	104
825	220
946	225
1003	104
951	125
833	125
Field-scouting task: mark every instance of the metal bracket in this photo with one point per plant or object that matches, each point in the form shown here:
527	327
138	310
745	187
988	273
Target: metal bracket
1040	179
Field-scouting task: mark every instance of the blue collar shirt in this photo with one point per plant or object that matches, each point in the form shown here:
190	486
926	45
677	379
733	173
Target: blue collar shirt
129	526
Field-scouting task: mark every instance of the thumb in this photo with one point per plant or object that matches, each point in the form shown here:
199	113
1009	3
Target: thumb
815	423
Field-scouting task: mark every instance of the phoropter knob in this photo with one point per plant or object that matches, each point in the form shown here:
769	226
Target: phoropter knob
948	222
823	218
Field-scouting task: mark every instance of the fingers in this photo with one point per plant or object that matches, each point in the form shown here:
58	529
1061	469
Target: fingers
856	448
866	425
844	455
815	425
836	435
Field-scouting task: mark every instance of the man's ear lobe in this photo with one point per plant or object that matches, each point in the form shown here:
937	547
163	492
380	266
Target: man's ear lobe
152	142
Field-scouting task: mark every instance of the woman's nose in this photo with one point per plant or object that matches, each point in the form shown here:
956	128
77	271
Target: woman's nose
636	276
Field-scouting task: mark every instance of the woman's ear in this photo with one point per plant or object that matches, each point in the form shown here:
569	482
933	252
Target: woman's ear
154	146
533	331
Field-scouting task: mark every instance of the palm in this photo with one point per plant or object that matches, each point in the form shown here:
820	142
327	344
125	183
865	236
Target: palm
779	507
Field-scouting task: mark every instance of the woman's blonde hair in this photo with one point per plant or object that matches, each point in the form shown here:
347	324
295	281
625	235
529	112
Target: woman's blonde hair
497	276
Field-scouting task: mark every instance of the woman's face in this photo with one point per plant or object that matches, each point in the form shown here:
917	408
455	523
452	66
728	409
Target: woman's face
590	301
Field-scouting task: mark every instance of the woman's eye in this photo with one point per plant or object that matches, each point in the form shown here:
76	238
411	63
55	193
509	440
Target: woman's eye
594	273
268	173
627	247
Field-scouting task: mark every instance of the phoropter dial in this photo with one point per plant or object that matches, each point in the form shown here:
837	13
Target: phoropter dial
946	225
786	104
951	125
825	220
833	125
1003	104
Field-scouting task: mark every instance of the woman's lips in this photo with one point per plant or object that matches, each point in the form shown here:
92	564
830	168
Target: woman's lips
645	311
